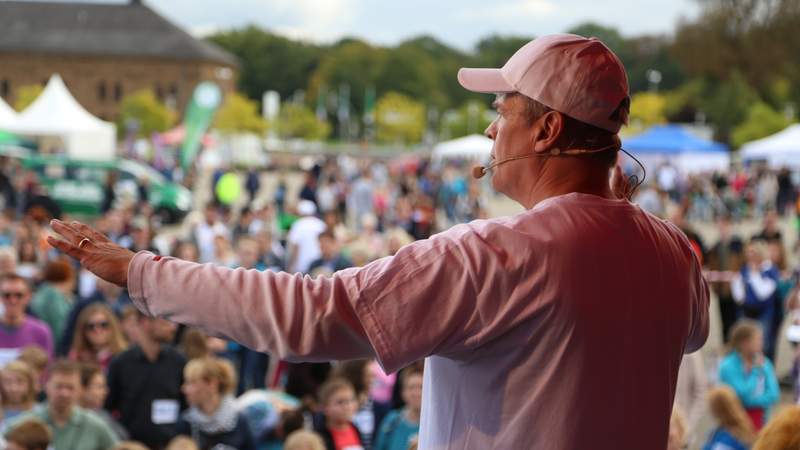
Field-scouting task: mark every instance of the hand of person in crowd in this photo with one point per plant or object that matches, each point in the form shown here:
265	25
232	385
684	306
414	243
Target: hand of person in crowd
94	250
620	185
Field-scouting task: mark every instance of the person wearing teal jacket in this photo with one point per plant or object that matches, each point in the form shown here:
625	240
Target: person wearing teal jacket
749	373
399	429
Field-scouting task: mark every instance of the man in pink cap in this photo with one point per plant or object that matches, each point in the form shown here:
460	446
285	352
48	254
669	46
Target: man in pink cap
561	327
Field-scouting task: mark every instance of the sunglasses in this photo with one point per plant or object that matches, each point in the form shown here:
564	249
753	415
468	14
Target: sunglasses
17	295
91	326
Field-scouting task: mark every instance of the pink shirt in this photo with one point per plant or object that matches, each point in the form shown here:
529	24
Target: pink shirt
561	327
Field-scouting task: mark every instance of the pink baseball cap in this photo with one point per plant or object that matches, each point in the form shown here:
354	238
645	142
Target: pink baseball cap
571	74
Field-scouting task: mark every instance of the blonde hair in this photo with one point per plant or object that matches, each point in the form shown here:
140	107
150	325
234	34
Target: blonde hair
182	443
25	371
741	332
80	343
31	433
304	440
212	369
782	432
725	406
34	356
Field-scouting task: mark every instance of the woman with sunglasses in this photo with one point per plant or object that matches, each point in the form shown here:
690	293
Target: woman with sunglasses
98	336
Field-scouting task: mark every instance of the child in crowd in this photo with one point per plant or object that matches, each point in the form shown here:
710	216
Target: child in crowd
401	427
182	443
735	430
338	400
30	434
782	432
304	440
18	389
38	360
212	418
749	373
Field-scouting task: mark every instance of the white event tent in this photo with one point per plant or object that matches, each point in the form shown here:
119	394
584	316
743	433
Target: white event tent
8	117
56	113
779	150
475	147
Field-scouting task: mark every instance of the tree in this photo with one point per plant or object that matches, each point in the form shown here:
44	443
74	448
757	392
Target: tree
495	50
26	95
761	121
647	108
472	117
399	119
297	121
239	114
269	61
727	105
144	109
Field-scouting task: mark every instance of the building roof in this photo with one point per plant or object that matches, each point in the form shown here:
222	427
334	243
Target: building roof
127	29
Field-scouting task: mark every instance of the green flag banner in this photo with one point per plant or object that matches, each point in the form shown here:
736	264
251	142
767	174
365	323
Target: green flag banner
204	103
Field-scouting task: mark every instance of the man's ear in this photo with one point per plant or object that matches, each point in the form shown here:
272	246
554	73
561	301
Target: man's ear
547	132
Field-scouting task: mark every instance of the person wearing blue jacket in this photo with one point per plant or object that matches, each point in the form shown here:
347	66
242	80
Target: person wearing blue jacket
756	289
749	373
734	429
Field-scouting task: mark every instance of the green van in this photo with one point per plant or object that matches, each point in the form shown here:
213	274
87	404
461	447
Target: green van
78	185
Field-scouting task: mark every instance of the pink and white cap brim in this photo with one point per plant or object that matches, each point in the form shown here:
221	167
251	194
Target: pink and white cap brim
484	80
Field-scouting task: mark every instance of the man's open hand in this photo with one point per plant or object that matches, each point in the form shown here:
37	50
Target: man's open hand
95	251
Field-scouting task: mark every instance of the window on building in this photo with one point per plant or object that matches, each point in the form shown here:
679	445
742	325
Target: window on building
5	88
101	91
117	91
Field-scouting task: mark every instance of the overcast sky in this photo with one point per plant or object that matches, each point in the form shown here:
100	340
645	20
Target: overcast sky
460	23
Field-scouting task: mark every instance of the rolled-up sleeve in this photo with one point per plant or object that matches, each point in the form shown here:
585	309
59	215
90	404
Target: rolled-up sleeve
398	309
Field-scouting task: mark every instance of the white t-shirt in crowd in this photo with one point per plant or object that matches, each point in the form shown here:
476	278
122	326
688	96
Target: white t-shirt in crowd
304	235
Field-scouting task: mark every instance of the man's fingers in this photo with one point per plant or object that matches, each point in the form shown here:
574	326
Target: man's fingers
67	231
66	247
90	232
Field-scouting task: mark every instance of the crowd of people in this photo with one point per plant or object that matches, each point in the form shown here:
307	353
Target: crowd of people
83	368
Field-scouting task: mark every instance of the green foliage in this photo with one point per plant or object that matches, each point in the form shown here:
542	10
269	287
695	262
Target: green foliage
269	61
239	114
471	118
355	64
727	105
399	119
150	115
761	121
647	108
495	50
26	95
298	121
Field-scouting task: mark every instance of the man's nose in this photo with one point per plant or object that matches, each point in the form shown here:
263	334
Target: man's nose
491	130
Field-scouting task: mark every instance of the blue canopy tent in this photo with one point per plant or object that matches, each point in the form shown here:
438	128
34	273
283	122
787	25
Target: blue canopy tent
675	145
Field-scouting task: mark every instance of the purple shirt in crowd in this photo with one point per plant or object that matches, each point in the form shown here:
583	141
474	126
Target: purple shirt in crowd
31	332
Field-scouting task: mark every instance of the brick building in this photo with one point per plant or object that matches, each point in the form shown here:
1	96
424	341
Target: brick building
104	52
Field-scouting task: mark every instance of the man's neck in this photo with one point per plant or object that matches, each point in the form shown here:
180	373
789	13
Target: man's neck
561	176
61	417
150	348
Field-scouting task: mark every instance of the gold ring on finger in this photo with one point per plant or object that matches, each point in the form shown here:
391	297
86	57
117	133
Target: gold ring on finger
83	242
